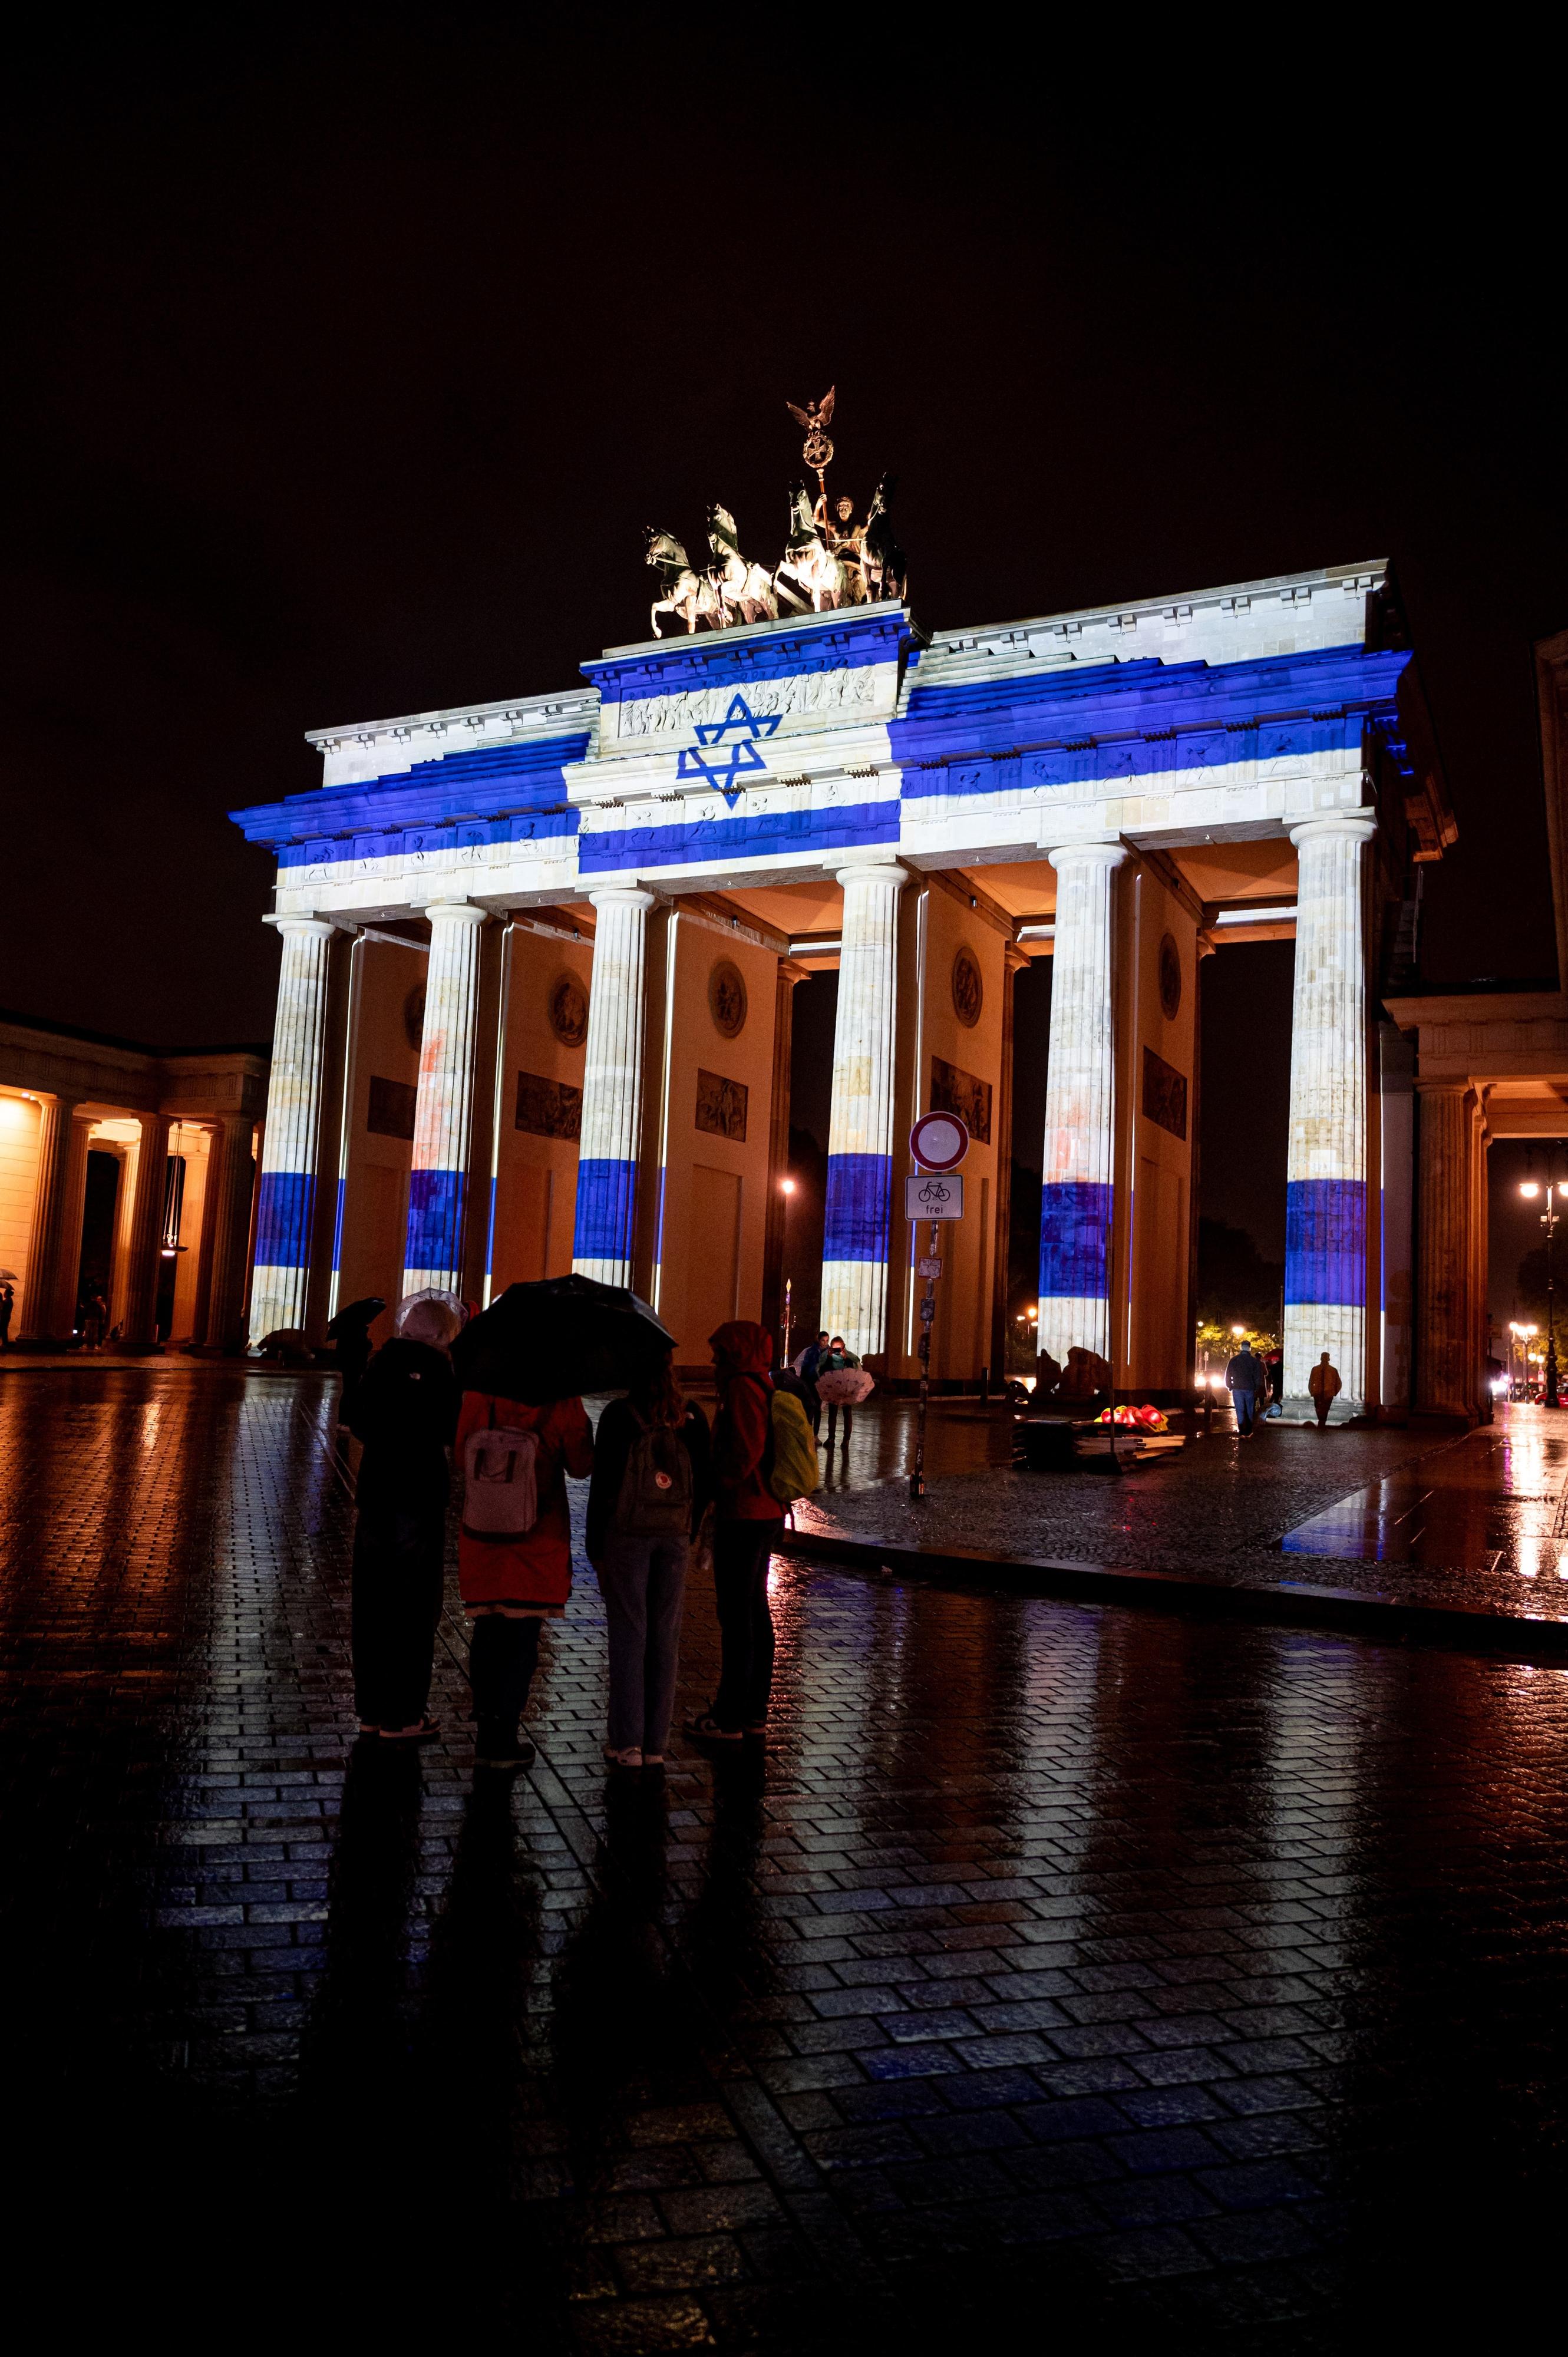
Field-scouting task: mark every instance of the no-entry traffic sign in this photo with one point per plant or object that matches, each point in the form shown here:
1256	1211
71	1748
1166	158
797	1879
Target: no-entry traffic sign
939	1141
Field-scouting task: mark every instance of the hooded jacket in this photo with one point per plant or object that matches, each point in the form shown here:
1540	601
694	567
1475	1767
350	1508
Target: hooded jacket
743	1429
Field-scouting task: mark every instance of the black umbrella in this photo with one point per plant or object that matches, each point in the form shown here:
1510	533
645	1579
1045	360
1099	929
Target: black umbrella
354	1321
558	1339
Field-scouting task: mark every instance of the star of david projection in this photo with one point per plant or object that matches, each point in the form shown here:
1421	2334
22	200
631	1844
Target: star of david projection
742	756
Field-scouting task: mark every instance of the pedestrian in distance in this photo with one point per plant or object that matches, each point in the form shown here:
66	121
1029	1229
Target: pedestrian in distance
649	1490
1324	1386
1247	1382
1274	1368
514	1551
8	1305
763	1457
834	1359
807	1364
404	1416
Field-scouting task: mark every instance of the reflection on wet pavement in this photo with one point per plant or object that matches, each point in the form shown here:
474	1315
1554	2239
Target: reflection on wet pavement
1494	1501
1161	1975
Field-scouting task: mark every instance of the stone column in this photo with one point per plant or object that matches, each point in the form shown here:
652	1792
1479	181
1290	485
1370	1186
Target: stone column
231	1178
1326	1201
44	1248
73	1204
1443	1306
444	1113
780	1208
858	1227
1078	1177
612	1089
1015	962
200	1307
291	1147
147	1232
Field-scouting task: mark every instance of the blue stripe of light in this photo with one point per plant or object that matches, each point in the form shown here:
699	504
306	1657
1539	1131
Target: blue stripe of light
474	790
1326	1242
844	643
606	1205
859	1220
285	1205
764	831
491	1234
338	1228
1112	720
1075	1238
435	1219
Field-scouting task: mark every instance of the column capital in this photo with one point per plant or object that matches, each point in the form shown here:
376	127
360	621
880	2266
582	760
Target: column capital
872	871
1085	854
455	912
311	928
1362	824
623	896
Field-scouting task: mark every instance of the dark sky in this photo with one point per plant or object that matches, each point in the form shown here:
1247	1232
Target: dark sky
344	367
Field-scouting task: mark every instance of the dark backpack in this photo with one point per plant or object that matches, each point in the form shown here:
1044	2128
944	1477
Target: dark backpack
657	1491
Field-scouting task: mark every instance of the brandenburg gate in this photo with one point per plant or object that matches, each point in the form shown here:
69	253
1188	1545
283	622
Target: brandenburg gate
538	958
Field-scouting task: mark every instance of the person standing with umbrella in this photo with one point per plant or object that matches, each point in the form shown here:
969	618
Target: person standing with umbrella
514	1553
650	1492
403	1414
350	1335
747	1519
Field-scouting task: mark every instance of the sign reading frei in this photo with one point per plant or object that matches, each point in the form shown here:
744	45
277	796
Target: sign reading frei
931	1195
939	1141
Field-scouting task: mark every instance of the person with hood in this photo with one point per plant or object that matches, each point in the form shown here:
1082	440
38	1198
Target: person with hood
404	1415
806	1365
747	1519
1246	1380
1325	1387
833	1362
513	1580
648	1494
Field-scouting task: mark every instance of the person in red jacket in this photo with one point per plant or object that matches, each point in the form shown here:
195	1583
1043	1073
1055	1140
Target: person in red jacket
747	1517
511	1586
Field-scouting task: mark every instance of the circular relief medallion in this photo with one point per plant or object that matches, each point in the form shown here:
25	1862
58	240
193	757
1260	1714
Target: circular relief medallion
413	1017
968	990
726	999
1170	978
569	1010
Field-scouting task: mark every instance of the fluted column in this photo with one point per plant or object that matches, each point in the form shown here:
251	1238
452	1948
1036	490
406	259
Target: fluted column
73	1204
1078	1176
45	1248
1326	1200
1443	1308
229	1178
612	1089
146	1231
444	1111
858	1230
292	1144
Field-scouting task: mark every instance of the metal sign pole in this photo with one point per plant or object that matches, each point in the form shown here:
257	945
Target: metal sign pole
928	1319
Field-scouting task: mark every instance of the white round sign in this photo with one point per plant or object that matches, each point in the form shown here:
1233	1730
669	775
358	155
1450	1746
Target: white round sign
939	1141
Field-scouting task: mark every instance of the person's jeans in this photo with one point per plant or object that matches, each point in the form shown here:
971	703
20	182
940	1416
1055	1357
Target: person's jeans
833	1408
642	1581
1323	1406
1246	1406
396	1602
741	1555
502	1654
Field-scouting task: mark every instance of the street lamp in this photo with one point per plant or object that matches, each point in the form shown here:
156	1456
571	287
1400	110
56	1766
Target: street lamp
1549	1219
787	1188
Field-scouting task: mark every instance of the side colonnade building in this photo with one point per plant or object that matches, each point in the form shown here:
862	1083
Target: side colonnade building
140	1160
539	957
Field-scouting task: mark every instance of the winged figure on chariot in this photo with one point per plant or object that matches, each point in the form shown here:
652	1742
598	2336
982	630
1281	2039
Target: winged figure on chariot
828	559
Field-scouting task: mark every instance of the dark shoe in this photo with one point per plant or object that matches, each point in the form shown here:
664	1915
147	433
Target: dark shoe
706	1728
497	1745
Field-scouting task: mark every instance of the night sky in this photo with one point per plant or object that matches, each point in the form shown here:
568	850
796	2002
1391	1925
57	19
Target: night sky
345	366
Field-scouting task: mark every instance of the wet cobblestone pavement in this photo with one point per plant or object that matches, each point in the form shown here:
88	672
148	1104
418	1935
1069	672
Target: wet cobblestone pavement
1478	1522
1060	1966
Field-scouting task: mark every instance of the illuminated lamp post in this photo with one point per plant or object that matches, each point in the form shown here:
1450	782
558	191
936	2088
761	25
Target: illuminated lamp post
1549	1219
787	1188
